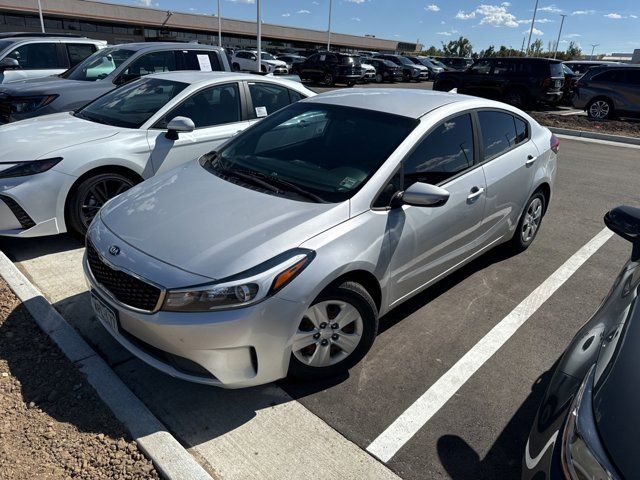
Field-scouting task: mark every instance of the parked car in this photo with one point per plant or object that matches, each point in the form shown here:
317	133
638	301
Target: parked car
58	170
609	92
278	252
102	72
386	71
587	423
247	60
331	68
456	63
33	57
517	81
410	71
433	69
368	70
580	67
291	60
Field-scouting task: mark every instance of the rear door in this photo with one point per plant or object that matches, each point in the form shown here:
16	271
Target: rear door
218	113
77	52
36	59
477	80
266	98
510	161
200	60
628	89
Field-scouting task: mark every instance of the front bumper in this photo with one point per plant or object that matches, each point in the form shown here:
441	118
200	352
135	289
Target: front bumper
227	348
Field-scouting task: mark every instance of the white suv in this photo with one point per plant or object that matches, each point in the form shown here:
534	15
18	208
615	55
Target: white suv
247	60
23	58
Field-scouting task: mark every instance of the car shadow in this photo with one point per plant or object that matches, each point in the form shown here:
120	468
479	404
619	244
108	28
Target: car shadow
504	458
22	249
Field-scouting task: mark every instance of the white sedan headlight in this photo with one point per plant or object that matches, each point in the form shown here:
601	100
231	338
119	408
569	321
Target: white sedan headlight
241	290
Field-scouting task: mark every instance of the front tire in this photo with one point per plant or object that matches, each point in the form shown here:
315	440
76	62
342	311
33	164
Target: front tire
600	109
529	224
379	78
329	81
335	333
517	98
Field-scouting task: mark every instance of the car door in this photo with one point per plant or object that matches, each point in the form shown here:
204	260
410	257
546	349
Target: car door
428	242
628	90
266	98
476	80
77	52
217	113
509	164
37	59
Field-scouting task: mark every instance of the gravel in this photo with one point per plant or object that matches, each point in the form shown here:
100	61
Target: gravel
53	425
580	122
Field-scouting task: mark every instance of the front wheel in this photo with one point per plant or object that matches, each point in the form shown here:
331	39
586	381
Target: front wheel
335	332
329	80
600	109
517	98
379	78
89	196
529	223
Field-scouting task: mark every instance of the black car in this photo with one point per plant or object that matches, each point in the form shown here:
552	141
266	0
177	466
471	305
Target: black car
455	63
410	71
331	68
386	71
587	424
292	60
518	81
580	67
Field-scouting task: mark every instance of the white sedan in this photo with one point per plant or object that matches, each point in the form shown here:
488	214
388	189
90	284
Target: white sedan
56	171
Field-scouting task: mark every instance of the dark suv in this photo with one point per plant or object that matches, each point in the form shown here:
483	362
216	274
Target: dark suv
455	63
410	71
518	81
331	68
386	71
607	92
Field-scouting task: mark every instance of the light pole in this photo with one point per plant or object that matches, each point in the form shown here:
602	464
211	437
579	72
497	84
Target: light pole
555	52
329	29
40	13
219	26
533	20
259	37
593	47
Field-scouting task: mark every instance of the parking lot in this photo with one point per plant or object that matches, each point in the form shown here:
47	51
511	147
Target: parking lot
480	430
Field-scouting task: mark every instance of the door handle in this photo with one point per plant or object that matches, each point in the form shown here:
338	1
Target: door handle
475	193
530	160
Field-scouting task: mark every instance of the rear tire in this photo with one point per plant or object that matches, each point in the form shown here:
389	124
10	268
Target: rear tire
600	109
329	344
329	81
379	78
516	97
529	224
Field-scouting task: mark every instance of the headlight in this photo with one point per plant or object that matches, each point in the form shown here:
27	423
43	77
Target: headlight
29	104
241	290
583	456
29	168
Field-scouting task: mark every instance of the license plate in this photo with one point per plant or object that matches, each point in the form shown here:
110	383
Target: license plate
107	315
558	83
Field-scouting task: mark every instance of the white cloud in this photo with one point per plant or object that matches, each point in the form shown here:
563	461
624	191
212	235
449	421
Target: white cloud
145	3
248	2
303	12
633	16
496	16
442	22
286	14
506	4
432	8
315	3
354	1
356	19
583	12
446	34
535	31
465	16
538	20
615	16
550	9
573	35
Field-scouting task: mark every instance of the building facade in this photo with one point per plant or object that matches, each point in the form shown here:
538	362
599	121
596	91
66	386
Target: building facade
124	24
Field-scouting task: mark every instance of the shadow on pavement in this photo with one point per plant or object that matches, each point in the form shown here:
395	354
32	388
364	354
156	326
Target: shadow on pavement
21	249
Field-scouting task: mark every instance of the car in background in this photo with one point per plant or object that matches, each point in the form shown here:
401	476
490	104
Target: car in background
588	420
433	69
580	67
609	92
247	60
570	79
56	171
367	53
292	60
102	72
515	80
271	256
331	68
456	63
386	71
410	71
368	70
24	57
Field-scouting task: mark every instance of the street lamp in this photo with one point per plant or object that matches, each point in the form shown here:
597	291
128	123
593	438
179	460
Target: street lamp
259	36
40	13
533	20
329	29
219	26
555	52
593	47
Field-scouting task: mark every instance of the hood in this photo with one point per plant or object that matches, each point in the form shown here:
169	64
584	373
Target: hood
366	66
421	67
39	137
275	63
74	92
196	221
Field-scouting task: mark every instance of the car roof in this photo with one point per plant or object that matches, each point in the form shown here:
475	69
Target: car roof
194	77
528	59
165	45
412	103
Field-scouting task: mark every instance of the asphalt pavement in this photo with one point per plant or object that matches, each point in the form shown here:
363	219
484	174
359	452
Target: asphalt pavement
479	433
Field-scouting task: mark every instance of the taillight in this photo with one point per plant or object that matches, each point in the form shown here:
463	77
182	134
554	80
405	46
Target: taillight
547	82
555	143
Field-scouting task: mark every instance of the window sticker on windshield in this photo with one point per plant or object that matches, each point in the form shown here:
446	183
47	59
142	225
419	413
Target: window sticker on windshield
205	63
348	182
261	112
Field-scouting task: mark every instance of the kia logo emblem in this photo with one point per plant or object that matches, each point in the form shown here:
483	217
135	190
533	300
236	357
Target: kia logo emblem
114	250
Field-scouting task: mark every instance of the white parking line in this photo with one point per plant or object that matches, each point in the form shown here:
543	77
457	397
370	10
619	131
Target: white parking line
418	414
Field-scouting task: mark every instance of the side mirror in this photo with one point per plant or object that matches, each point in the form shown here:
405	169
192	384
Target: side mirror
179	125
625	221
424	195
8	63
254	58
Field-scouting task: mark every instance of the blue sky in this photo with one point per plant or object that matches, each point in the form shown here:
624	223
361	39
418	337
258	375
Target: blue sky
614	24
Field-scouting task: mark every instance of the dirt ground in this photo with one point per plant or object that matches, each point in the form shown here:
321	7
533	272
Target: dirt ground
579	122
52	423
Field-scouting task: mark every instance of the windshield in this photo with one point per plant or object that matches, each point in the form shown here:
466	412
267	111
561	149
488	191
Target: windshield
556	69
415	61
438	63
267	56
132	105
312	151
567	70
99	65
405	61
346	60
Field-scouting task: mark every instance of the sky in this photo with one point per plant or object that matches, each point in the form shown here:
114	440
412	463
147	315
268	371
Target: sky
613	24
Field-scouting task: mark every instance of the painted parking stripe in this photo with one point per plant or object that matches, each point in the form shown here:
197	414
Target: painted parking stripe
387	444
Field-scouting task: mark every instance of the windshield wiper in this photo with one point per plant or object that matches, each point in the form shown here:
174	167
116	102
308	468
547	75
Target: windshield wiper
251	179
276	181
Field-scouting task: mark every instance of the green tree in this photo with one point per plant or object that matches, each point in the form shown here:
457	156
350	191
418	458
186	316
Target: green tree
458	48
535	50
573	51
490	51
432	52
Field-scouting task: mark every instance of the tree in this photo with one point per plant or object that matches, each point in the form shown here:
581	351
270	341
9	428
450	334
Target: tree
432	52
535	50
458	48
573	51
490	51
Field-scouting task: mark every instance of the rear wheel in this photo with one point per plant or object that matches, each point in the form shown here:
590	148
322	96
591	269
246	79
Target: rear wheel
529	223
379	78
406	77
89	197
329	80
600	109
516	97
335	332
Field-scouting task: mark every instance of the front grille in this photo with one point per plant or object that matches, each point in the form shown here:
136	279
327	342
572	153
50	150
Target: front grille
23	217
123	287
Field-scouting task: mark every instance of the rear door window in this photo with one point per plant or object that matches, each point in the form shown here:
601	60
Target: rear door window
154	62
556	69
37	56
481	67
268	98
200	60
498	133
522	130
79	51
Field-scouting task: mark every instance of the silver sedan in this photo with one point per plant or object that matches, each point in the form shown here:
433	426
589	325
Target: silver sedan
278	253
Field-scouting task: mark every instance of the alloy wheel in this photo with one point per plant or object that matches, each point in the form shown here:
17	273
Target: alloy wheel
531	222
599	109
328	333
98	193
328	79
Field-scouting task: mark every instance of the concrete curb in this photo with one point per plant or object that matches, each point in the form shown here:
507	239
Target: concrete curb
170	458
595	135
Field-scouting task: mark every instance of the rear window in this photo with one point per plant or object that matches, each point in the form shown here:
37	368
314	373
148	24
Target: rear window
201	60
355	61
556	69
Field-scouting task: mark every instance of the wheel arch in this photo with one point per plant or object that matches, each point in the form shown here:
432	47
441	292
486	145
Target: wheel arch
545	189
365	278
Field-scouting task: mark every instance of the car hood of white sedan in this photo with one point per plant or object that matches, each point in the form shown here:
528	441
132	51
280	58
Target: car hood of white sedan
198	222
40	137
275	63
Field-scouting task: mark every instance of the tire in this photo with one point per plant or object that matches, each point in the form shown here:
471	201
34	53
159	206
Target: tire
89	196
406	77
379	78
351	298
235	67
522	240
350	84
516	97
263	69
600	109
329	81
